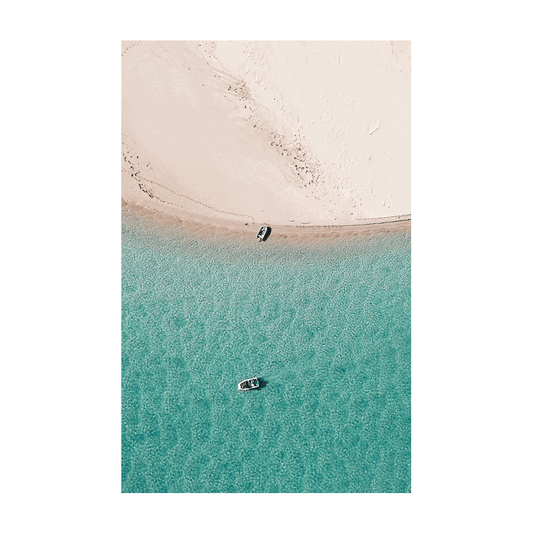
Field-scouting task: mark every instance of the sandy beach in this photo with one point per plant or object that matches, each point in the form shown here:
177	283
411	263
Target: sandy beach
311	138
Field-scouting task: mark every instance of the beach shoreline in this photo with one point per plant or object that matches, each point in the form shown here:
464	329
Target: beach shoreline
173	219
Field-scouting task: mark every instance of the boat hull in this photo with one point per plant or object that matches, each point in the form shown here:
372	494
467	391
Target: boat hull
263	232
248	384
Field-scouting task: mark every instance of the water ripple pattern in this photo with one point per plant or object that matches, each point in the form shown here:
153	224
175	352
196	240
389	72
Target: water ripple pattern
327	330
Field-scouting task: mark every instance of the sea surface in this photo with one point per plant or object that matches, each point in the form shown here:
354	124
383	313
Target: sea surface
327	328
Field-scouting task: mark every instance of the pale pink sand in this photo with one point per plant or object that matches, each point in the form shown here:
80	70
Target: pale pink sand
284	133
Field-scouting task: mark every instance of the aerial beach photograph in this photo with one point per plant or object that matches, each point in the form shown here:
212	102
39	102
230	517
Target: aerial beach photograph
266	266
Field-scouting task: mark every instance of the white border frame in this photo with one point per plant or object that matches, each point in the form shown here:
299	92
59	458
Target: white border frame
112	33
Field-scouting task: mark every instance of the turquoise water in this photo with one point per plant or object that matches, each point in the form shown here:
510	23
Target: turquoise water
326	328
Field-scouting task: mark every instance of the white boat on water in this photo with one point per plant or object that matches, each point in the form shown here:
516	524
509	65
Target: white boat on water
248	384
262	233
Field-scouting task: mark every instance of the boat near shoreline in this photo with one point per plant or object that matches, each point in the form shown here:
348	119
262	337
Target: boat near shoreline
263	232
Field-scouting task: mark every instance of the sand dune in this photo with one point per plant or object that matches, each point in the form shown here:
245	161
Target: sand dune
284	133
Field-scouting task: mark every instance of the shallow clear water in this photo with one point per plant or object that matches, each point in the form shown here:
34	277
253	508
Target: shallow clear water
327	328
